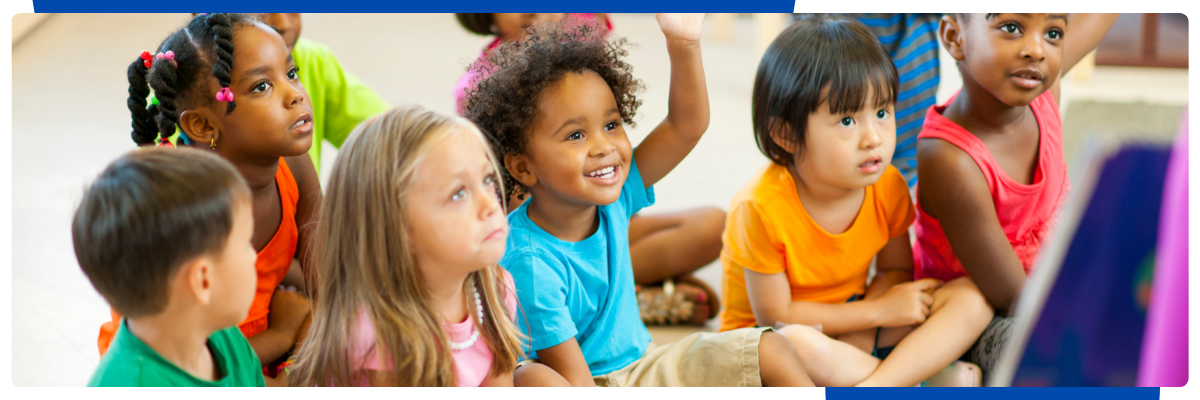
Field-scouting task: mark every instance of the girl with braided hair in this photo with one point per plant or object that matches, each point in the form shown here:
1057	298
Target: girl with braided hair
229	84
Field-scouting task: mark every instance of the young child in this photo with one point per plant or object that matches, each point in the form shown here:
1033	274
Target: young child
410	293
229	83
991	160
340	101
801	235
164	236
663	247
558	126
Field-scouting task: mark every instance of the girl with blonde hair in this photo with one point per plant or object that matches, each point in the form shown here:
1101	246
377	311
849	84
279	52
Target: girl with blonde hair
408	239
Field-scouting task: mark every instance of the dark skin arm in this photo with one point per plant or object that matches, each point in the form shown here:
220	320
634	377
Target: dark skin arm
306	208
954	192
1084	32
566	358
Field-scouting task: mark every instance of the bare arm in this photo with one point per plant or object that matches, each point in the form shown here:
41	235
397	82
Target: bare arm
771	301
566	359
1085	30
954	192
687	109
306	208
893	265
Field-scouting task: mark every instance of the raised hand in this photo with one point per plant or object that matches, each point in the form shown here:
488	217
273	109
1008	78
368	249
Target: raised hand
681	26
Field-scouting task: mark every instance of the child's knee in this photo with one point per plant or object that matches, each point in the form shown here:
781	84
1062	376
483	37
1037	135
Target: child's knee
965	295
537	375
807	341
710	223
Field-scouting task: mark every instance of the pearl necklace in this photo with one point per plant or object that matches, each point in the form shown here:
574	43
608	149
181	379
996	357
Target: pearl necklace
456	346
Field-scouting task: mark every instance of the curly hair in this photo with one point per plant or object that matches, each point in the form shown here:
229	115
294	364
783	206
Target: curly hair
504	102
204	45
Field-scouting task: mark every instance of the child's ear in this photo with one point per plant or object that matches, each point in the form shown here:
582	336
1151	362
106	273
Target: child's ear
198	279
950	31
783	135
198	126
519	167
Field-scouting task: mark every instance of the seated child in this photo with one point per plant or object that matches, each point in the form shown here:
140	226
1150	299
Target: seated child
164	236
801	235
409	290
558	124
664	246
196	74
991	159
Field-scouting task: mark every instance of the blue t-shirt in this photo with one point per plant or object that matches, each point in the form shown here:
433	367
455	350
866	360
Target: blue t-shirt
581	289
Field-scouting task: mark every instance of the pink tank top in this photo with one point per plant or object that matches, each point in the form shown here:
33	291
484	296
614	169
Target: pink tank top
1026	212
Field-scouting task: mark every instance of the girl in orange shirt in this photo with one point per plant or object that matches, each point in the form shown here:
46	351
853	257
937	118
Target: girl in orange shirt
196	74
800	238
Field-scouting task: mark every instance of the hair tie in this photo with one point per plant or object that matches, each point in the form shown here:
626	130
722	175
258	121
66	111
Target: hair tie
146	58
164	142
169	56
225	95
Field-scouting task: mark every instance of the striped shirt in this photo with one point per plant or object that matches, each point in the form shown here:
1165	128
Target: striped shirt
911	41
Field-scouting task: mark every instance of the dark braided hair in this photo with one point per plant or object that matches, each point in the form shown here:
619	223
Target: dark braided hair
203	47
504	103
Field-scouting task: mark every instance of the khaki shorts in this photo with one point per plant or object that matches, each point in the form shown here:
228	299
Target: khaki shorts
700	359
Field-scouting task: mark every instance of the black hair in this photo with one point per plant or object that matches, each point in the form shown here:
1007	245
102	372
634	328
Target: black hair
148	213
809	57
477	23
503	104
204	44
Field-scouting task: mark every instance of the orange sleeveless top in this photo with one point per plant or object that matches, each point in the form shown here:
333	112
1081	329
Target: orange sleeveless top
272	264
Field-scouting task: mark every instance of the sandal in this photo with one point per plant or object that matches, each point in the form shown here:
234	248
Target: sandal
688	302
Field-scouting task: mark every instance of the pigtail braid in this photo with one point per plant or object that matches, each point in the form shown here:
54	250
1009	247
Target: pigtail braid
164	79
143	119
222	29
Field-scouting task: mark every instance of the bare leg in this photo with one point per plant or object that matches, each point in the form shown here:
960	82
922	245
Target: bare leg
672	244
958	316
829	362
537	375
778	364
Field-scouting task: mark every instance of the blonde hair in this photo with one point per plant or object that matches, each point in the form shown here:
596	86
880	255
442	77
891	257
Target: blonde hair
365	262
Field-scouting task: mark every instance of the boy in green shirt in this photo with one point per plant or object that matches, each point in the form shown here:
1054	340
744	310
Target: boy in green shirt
164	235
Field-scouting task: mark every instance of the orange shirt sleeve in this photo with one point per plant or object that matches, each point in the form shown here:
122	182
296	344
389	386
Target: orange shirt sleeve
749	243
897	203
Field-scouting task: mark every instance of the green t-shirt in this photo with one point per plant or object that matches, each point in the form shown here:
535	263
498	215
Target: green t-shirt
130	362
339	100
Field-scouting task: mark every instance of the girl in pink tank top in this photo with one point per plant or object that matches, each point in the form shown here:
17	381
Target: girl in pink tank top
1025	212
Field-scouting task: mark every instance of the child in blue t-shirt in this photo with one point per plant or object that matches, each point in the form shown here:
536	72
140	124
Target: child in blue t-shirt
558	126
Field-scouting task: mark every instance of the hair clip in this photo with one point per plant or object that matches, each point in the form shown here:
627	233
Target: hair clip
146	58
202	14
164	142
169	56
225	95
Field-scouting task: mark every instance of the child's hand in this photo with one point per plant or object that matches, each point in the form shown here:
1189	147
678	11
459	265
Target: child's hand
907	303
681	26
289	309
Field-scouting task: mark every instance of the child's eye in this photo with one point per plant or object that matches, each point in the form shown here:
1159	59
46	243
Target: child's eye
610	126
489	181
459	195
1054	34
575	135
1010	28
293	73
881	114
261	87
846	121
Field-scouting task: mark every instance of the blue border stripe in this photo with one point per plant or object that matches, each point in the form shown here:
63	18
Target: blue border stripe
353	6
992	393
908	94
